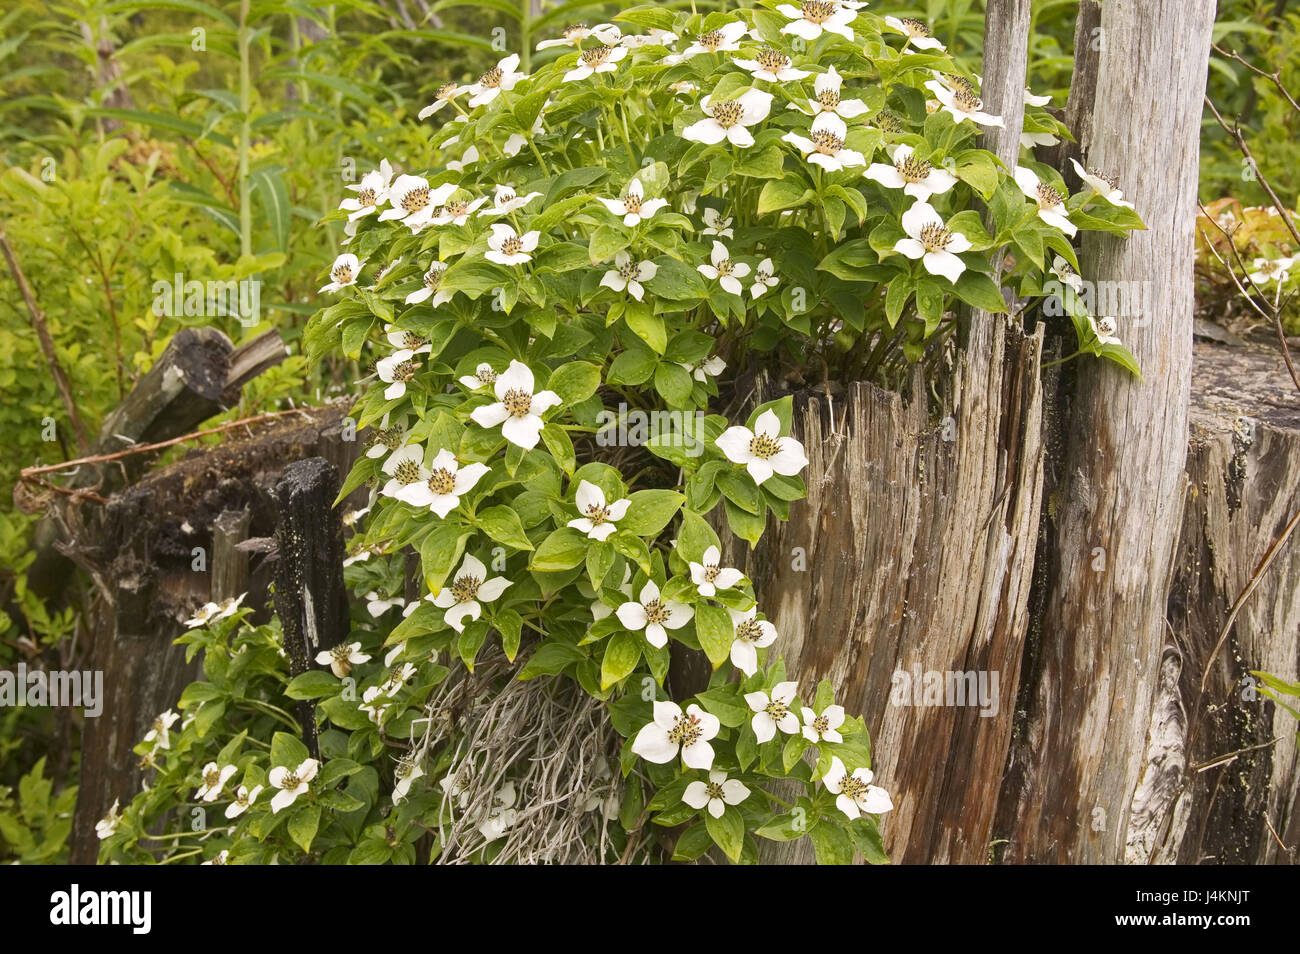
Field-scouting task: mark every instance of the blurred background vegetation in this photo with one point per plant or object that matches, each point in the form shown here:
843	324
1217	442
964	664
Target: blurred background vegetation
145	140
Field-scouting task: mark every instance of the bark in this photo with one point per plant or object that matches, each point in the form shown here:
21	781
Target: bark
1069	792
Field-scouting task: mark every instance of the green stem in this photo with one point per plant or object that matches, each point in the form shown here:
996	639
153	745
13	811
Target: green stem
245	133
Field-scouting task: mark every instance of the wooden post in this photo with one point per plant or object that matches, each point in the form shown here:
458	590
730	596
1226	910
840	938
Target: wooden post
1069	793
229	564
310	598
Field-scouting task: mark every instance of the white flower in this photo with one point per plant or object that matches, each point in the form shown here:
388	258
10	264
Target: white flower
407	771
656	616
517	409
1268	270
752	634
913	175
243	798
343	272
406	472
107	826
469	157
432	279
502	815
917	33
634	207
344	656
597	520
1104	329
725	39
824	145
710	367
1033	100
401	338
158	732
722	268
1066	275
655	37
396	370
812	18
215	778
1031	140
373	709
716	224
930	240
709	576
505	200
483	376
962	103
763	451
717	793
574	35
728	120
629	275
503	76
445	484
291	783
211	612
1103	186
458	212
371	192
508	247
855	791
772	712
413	201
824	727
659	741
683	88
445	94
598	59
1051	204
461	597
398	676
771	65
827	89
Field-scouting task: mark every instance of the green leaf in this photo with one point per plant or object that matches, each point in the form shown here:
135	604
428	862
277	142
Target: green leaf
674	383
312	685
557	441
303	824
564	549
575	382
288	750
778	194
646	325
980	291
831	843
727	832
716	634
650	511
622	653
502	524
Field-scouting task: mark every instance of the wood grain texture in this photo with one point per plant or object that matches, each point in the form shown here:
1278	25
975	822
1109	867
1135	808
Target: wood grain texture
1071	782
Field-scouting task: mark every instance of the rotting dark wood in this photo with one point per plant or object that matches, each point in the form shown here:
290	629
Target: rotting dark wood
229	564
310	597
143	553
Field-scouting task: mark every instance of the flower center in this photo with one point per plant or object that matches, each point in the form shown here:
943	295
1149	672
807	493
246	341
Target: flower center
889	123
390	437
686	731
342	274
486	375
1106	326
442	481
725	267
457	209
505	198
511	246
821	724
913	169
407	472
915	28
575	32
290	782
404	769
727	115
341	652
748	631
433	277
404	371
711	572
492	78
212	778
817	11
656	612
711	41
964	97
827	143
935	237
445	91
774	61
762	275
415	199
632	202
596	56
367	197
713	790
829	99
1047	196
853	787
465	588
777	709
1109	180
763	446
241	797
411	341
597	515
518	402
629	271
